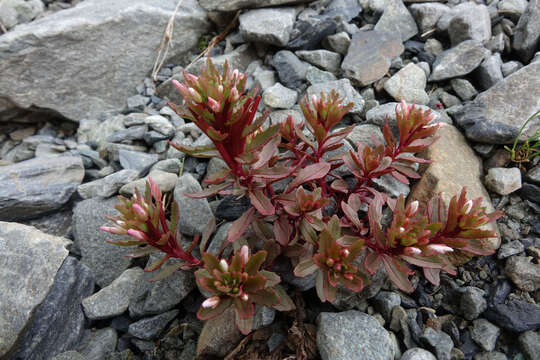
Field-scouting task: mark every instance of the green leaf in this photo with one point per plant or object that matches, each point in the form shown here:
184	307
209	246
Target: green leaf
267	297
272	278
254	263
156	264
262	138
199	152
167	271
254	284
285	302
305	268
146	250
210	313
244	309
212	190
210	262
244	325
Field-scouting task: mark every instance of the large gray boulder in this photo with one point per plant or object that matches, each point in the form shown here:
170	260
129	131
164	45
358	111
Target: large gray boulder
497	114
87	60
37	186
527	32
29	261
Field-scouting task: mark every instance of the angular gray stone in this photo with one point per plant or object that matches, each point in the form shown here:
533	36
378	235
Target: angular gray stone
439	342
165	180
338	42
496	115
13	12
37	186
233	5
99	343
510	67
131	133
29	262
136	160
396	19
343	88
150	328
115	298
489	72
527	32
314	75
379	114
107	186
280	97
168	165
529	342
369	56
510	248
264	78
59	321
427	14
485	334
503	181
271	26
91	85
408	84
471	21
365	133
417	354
472	302
106	261
69	355
385	301
326	60
463	88
151	298
291	71
194	213
459	60
523	272
160	124
352	335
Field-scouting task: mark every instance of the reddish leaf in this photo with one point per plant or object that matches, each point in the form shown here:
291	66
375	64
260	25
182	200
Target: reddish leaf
244	309
254	263
244	325
305	268
394	270
262	203
210	313
310	172
240	225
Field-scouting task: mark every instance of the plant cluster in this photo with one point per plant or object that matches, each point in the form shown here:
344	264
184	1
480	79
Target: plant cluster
528	149
301	208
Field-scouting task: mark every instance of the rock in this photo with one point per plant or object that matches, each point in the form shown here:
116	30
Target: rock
515	315
417	354
291	71
368	134
344	9
264	78
527	32
160	124
219	240
497	114
485	334
428	14
271	26
107	186
396	19
533	174
352	335
509	249
523	272
314	75
439	342
231	209
57	223
489	72
106	261
369	56
408	84
310	31
282	115
463	88
379	114
472	302
165	180
324	59
137	102
343	88
150	328
136	160
29	262
151	298
99	343
439	176
93	84
114	299
471	21
69	355
391	186
168	165
278	96
220	335
59	321
385	301
491	355
131	133
338	42
531	192
38	186
503	181
459	60
233	5
195	213
529	342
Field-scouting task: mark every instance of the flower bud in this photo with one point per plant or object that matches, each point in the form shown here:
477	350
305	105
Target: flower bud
139	235
244	297
440	248
223	266
195	95
413	208
212	302
120	223
214	105
330	262
233	96
411	250
401	229
345	253
141	213
192	78
338	267
348	276
113	230
314	99
244	253
181	87
467	207
220	88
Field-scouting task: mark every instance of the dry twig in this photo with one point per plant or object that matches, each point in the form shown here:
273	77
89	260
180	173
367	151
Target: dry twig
165	43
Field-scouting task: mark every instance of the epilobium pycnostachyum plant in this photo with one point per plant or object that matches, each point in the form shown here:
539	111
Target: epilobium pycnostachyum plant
344	247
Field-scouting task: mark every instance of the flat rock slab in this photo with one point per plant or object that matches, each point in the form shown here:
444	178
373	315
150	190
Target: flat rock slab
59	321
451	155
352	335
496	115
106	261
29	261
88	45
269	26
369	56
459	60
38	186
